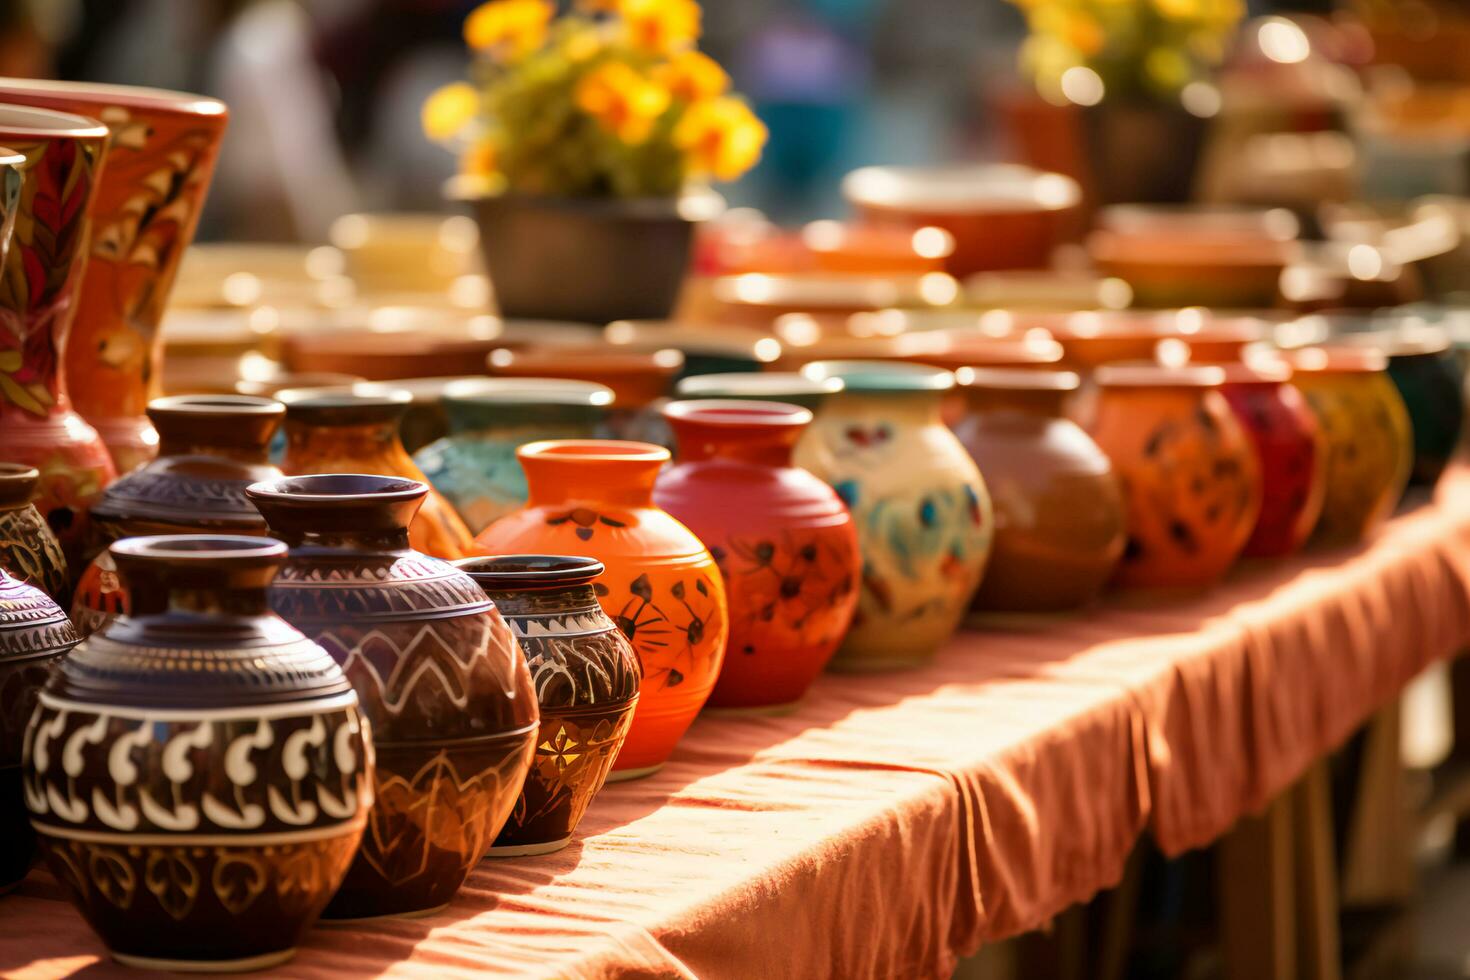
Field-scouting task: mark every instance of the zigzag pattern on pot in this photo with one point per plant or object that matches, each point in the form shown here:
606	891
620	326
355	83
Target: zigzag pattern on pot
401	588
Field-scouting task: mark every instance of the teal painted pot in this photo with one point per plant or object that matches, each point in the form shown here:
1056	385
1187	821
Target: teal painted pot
769	386
475	465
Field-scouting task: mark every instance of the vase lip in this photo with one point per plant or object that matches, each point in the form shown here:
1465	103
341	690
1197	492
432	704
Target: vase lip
1400	341
321	488
18	483
594	451
27	121
734	413
1017	379
528	391
367	394
104	94
218	406
1264	369
296	381
1337	359
11	158
190	549
1147	374
764	384
515	572
599	359
882	377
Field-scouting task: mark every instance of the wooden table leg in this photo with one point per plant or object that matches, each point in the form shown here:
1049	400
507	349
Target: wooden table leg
1258	910
1318	944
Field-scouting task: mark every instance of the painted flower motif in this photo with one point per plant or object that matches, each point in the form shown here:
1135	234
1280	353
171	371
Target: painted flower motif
660	26
448	110
720	137
692	76
559	752
623	102
511	28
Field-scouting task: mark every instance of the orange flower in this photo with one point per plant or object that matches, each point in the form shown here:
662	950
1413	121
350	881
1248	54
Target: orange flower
721	138
480	160
622	101
448	110
661	25
692	76
517	27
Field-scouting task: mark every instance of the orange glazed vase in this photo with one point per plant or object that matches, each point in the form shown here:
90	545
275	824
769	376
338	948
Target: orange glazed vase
1190	479
662	587
355	430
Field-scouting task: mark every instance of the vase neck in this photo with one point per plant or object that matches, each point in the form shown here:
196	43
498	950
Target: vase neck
608	471
197	574
225	426
367	441
340	510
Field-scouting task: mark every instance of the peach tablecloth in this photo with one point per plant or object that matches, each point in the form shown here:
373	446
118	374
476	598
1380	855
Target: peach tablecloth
896	822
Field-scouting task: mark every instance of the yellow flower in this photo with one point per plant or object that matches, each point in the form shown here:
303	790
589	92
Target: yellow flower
514	26
480	160
721	138
448	110
621	100
692	76
1178	9
660	25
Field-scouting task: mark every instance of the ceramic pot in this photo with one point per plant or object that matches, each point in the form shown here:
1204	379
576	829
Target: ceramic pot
1190	479
439	674
640	381
1141	150
1428	378
785	543
34	632
586	678
355	430
790	387
923	515
662	586
1370	445
159	165
1090	340
1221	340
29	550
475	466
200	819
1290	450
211	447
1060	524
38	300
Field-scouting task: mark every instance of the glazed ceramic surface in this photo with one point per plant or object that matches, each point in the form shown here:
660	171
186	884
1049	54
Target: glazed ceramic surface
38	302
34	631
1428	378
475	466
662	587
923	515
198	773
159	165
355	430
29	550
1190	479
1060	524
586	678
211	448
440	676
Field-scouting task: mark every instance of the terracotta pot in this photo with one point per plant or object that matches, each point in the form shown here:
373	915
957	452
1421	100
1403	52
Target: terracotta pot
586	678
1139	149
200	819
34	632
356	430
923	515
1189	475
211	447
785	543
441	680
1369	440
770	386
29	550
1060	524
662	587
38	299
475	466
162	155
1290	450
639	380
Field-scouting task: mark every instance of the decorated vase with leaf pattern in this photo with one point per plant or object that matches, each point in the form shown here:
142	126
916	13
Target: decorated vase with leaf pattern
29	550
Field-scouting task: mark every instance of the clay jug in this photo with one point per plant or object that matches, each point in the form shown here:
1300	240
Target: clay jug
29	550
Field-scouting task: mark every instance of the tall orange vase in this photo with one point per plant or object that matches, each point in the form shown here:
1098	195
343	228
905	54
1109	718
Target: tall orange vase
595	497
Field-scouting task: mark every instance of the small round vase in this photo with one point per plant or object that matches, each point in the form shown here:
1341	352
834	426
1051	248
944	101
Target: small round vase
355	430
1370	445
438	671
29	550
789	387
34	632
198	773
662	587
586	678
785	543
475	466
1423	368
1189	475
923	515
639	380
1060	524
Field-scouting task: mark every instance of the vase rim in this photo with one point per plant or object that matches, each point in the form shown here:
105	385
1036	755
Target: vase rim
524	571
735	413
1146	374
594	450
770	384
333	487
1400	341
27	121
11	158
1337	359
106	94
1017	379
1267	369
18	483
882	377
600	358
199	548
217	405
528	391
365	394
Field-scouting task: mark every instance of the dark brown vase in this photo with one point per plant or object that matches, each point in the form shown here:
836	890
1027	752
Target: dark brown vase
586	678
198	773
29	550
34	631
439	673
211	447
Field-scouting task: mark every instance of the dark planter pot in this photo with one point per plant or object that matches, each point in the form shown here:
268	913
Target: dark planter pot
1140	151
592	260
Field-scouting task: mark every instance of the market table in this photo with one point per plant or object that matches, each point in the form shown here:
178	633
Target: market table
896	822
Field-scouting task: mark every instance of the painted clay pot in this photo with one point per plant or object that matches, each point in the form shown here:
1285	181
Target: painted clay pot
29	550
475	466
1060	524
790	387
159	165
355	430
1289	448
211	447
662	587
199	773
639	380
438	671
34	632
785	543
1428	378
923	515
586	676
1190	479
38	300
1370	445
